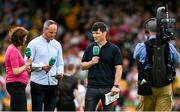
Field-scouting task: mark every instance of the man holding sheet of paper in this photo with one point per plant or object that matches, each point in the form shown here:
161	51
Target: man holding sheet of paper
103	60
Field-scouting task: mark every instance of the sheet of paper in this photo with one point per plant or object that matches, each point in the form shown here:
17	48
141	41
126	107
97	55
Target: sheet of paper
110	98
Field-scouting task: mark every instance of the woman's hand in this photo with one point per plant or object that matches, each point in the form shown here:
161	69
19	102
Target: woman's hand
28	69
28	62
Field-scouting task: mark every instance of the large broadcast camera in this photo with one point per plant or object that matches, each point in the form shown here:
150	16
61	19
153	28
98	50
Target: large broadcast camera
157	70
162	24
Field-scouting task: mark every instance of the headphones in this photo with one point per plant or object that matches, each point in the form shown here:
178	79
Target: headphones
151	24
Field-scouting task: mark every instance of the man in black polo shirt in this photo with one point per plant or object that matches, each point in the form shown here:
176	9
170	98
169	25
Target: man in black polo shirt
105	69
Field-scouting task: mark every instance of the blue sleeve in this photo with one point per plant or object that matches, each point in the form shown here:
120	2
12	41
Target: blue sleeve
136	51
174	54
140	52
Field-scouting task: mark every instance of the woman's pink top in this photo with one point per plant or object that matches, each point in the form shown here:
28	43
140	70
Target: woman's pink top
14	59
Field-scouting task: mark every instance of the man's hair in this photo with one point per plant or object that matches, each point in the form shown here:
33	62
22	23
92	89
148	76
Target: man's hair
47	23
99	25
151	24
17	35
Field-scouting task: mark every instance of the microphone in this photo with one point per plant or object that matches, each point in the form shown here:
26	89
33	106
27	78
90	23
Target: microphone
96	50
28	53
52	62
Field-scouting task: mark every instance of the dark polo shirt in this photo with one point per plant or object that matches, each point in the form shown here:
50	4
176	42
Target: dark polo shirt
102	75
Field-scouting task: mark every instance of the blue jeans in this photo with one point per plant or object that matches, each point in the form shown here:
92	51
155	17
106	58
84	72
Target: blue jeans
93	95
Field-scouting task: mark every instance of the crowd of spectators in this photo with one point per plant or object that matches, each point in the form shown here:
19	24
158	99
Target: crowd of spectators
125	19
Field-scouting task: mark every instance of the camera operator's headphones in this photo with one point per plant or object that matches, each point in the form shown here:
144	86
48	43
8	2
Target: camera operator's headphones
151	24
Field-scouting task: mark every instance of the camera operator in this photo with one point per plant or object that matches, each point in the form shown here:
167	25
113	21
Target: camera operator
155	98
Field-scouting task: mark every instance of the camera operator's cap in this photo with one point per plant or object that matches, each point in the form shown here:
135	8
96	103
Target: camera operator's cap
151	24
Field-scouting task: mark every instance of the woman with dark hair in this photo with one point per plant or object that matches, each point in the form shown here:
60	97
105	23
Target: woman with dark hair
17	69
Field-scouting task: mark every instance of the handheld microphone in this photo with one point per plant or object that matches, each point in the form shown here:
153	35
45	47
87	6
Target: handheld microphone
28	53
52	62
96	50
